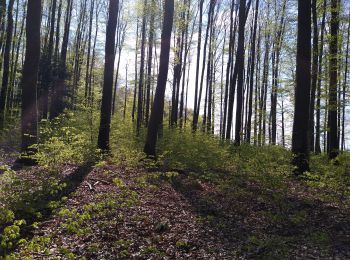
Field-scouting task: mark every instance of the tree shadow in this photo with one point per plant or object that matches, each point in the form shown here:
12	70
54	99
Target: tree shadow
260	224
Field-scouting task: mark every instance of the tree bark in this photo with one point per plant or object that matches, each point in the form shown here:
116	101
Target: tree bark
333	145
6	64
103	136
300	143
156	118
29	119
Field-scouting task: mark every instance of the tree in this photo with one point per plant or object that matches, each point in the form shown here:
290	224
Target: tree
251	83
29	119
48	64
103	136
142	71
300	143
314	75
195	119
158	104
59	90
333	141
345	85
6	64
319	82
240	69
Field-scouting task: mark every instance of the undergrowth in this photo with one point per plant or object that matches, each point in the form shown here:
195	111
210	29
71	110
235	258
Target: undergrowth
71	140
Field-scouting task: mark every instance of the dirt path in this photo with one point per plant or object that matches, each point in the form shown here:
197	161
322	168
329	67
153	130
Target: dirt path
117	214
132	214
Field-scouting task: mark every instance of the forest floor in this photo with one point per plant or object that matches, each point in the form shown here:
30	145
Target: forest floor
125	213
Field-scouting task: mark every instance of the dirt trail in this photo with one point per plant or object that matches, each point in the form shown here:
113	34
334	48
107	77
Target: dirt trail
133	214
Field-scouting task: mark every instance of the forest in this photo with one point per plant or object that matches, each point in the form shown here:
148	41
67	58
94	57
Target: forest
174	129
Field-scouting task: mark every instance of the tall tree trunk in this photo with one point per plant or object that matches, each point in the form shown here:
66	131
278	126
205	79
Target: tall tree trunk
300	143
142	71
158	107
251	84
149	66
47	67
240	70
126	91
333	145
345	86
103	136
275	75
199	46
314	76
210	20
6	64
29	119
87	74
136	71
59	91
319	83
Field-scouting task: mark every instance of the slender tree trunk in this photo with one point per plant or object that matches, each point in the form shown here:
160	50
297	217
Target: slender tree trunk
314	76
87	74
136	76
126	91
142	71
251	85
103	136
319	83
149	66
59	92
158	106
199	46
6	64
345	86
333	82
2	15
47	66
240	70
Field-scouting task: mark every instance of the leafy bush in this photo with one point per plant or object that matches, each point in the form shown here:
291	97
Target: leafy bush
332	177
127	148
184	150
68	139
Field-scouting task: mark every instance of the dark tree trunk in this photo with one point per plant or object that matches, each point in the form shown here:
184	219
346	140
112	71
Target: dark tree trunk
240	71
156	118
29	119
300	143
6	64
333	145
103	136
